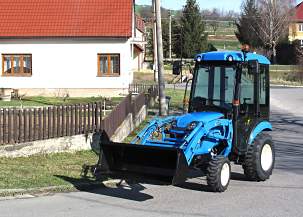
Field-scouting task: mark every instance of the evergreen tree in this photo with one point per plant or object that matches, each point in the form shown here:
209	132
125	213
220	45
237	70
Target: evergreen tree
192	31
247	27
165	37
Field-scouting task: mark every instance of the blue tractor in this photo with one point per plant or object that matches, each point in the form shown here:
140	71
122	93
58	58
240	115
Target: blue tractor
227	120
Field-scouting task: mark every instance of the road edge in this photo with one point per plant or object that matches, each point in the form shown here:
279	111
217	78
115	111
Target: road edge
9	194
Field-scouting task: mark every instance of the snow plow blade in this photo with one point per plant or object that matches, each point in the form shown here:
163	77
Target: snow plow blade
165	163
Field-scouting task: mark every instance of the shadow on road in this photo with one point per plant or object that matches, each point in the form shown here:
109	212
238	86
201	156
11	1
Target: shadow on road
288	137
125	189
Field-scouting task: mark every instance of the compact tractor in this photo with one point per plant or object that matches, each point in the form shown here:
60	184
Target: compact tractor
227	120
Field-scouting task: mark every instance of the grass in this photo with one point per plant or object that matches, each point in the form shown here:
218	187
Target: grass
168	67
49	101
148	77
286	74
43	170
176	104
132	135
289	68
229	45
223	28
176	101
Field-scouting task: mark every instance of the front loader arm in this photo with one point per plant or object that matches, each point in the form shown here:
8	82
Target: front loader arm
203	139
155	124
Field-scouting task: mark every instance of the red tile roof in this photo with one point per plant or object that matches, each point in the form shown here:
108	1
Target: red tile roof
140	24
299	12
66	18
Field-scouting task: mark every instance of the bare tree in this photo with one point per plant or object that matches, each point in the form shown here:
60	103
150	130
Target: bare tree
214	25
273	22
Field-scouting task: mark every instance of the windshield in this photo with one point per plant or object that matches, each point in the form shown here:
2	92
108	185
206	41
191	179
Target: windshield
215	84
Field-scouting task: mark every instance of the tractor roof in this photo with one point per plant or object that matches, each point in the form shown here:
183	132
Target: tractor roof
236	56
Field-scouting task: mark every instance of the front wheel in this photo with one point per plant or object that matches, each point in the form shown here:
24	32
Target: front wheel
260	158
218	174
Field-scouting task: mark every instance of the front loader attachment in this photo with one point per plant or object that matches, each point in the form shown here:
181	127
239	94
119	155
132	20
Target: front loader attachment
166	163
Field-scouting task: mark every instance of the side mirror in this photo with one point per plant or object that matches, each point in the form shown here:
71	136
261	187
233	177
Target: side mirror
177	67
253	66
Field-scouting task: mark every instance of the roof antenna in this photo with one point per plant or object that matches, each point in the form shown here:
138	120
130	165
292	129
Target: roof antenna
245	49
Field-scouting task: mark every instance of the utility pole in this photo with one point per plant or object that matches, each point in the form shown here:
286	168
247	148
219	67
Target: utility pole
162	98
155	66
273	42
170	33
181	61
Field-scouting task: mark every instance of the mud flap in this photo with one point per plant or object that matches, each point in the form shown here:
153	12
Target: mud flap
168	164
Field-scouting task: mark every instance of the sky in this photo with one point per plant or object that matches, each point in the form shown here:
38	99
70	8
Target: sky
226	5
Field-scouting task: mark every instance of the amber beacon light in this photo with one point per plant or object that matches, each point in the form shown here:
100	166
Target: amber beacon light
245	48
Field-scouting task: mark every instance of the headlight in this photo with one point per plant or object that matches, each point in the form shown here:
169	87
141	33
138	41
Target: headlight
192	125
199	58
174	123
230	58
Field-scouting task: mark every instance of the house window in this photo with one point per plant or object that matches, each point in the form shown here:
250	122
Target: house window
300	27
17	65
108	64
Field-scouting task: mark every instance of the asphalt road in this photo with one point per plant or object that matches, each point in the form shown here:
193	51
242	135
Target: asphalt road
281	196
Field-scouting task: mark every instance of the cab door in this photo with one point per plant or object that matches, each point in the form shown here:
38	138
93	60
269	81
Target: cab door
247	108
254	103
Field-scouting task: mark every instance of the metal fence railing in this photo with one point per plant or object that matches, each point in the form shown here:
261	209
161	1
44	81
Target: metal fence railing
139	88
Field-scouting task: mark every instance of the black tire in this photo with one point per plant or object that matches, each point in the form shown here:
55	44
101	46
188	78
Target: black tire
252	166
214	170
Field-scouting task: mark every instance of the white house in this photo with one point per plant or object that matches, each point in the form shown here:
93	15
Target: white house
79	48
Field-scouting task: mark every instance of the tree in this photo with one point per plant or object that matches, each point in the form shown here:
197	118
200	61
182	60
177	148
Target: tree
165	35
192	31
272	23
247	24
214	25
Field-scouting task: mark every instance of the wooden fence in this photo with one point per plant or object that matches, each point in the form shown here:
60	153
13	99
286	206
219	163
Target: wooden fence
31	124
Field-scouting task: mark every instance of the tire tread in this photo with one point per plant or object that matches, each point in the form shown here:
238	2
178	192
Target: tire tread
251	167
214	174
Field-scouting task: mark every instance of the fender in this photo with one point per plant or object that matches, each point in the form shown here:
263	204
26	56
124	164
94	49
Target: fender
262	126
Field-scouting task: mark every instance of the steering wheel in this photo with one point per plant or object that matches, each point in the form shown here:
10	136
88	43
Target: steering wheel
200	103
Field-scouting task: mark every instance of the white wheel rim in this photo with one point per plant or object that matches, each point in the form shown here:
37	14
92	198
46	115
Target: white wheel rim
225	173
266	157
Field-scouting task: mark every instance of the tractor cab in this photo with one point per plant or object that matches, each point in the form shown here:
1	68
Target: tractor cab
235	84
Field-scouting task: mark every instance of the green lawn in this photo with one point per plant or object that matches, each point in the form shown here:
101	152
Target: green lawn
177	96
43	170
227	28
148	77
286	74
48	101
289	68
229	45
132	135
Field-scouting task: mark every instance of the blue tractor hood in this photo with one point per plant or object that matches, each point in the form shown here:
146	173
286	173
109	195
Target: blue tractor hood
204	117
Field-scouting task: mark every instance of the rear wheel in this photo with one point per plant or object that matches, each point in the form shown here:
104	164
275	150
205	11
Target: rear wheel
218	174
260	158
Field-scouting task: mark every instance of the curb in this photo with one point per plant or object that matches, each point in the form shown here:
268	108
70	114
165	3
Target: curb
10	194
286	85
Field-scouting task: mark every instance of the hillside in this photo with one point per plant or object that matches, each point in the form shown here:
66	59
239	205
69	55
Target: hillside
224	36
